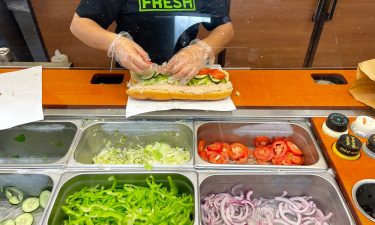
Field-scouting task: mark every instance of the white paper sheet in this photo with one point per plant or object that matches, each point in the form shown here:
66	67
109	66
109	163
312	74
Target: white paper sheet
136	107
20	97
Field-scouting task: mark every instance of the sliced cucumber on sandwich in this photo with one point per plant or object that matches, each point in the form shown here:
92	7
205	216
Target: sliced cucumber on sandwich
146	76
216	81
200	76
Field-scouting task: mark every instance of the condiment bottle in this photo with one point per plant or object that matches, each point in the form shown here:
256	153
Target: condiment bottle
336	125
363	126
369	146
347	147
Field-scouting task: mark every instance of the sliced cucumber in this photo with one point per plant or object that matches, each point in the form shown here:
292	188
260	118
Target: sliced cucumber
8	222
14	200
30	204
24	219
216	81
200	76
44	197
148	75
13	193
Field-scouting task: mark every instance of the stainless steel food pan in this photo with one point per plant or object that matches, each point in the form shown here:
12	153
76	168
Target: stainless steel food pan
71	182
127	134
37	144
245	132
30	184
321	186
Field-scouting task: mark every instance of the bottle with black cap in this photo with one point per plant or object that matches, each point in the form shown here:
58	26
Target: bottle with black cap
336	125
347	147
369	146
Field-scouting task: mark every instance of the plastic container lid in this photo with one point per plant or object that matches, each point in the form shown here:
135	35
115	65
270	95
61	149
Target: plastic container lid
347	147
337	122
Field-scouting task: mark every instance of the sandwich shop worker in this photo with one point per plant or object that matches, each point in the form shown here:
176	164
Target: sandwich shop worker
149	31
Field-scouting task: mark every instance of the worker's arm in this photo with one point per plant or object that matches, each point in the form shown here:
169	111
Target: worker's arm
129	54
90	33
220	37
187	62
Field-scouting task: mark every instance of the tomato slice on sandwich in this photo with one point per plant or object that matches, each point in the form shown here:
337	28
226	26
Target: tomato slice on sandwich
204	71
218	74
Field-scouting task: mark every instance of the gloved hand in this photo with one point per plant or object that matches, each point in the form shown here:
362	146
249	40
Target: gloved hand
189	60
129	54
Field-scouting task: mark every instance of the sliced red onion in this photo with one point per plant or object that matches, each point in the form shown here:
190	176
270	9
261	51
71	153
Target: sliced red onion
223	208
280	221
235	188
248	195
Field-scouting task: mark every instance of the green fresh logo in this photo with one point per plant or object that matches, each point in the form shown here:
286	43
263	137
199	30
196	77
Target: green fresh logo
166	5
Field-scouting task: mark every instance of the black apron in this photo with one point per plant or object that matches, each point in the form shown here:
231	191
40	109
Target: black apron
161	31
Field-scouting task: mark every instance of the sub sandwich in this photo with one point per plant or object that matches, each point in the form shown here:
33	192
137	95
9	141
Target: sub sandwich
208	84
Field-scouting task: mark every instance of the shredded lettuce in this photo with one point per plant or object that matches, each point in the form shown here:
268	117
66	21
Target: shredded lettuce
129	204
156	153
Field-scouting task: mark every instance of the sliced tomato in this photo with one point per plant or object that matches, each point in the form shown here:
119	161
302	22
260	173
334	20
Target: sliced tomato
283	160
289	155
203	155
260	162
297	160
262	141
226	147
215	147
281	138
294	148
210	153
242	160
204	71
201	145
217	158
218	74
263	153
280	148
238	150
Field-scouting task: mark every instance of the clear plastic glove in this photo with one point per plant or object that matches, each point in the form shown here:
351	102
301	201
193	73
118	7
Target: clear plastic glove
130	55
189	60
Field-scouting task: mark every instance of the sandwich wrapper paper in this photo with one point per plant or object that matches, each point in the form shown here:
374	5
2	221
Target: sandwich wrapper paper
20	97
135	106
363	89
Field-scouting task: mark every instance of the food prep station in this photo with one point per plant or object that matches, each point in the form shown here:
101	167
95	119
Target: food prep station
66	147
56	154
